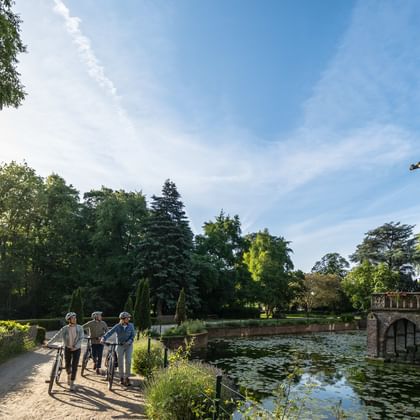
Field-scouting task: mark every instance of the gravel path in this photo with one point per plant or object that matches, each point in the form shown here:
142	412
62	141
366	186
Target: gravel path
23	392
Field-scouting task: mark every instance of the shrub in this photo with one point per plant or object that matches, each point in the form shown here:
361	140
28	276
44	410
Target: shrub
49	324
144	362
188	327
347	318
183	391
13	339
242	312
11	326
40	334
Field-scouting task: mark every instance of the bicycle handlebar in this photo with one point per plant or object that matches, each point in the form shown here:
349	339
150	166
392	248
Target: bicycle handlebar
53	346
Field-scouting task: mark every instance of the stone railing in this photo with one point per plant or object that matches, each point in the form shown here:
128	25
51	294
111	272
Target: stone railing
402	301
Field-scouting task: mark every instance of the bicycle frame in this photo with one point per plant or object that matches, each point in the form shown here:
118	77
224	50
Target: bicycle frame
57	367
110	363
87	354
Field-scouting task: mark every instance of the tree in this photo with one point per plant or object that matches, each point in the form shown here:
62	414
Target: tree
365	279
321	291
270	265
11	89
165	251
218	262
392	244
137	305
332	263
145	321
76	304
128	306
181	311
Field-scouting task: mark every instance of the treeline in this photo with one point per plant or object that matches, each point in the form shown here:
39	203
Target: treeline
52	241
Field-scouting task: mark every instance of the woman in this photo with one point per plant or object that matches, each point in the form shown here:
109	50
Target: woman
125	339
72	336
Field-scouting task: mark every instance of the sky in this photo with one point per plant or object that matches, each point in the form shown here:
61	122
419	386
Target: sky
299	116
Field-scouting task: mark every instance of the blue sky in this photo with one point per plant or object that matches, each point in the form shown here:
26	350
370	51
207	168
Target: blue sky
299	116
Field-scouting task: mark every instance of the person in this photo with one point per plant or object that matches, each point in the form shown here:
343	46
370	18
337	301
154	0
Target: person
97	328
125	338
72	336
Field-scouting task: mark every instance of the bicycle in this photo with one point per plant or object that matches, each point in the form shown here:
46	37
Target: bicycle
110	363
87	355
57	368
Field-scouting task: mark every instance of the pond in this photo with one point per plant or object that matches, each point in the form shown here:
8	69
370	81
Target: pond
333	371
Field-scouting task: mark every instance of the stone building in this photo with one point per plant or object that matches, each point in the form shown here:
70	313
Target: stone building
393	327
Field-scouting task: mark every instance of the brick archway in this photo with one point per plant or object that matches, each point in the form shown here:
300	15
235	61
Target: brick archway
393	327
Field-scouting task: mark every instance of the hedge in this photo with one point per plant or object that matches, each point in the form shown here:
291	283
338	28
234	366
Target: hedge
13	339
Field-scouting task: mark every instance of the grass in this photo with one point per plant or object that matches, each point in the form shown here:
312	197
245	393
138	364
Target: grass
144	362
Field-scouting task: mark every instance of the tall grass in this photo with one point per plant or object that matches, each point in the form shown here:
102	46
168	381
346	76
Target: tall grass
145	362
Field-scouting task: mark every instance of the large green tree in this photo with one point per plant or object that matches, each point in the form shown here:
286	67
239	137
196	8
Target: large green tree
222	277
392	244
114	221
332	263
270	265
11	89
165	251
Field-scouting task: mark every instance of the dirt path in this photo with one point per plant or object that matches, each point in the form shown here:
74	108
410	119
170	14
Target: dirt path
23	393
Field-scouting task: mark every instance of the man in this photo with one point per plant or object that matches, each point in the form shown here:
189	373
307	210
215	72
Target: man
125	338
97	328
72	336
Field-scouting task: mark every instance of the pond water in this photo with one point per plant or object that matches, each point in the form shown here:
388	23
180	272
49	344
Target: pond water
333	372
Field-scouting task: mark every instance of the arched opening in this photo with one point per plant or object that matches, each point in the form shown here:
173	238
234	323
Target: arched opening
400	341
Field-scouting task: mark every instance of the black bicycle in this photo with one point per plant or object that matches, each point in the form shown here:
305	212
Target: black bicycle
57	368
110	363
87	355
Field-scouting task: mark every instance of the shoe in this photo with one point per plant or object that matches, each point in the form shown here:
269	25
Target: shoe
127	382
72	386
98	371
94	366
122	382
69	379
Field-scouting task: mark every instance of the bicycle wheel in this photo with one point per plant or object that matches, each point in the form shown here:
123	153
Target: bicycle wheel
111	371
85	360
52	376
59	369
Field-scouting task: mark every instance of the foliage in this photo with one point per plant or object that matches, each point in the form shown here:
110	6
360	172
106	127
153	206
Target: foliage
392	244
321	291
137	304
129	306
270	265
13	339
189	327
332	263
40	334
269	322
165	249
145	321
183	391
181	310
76	304
11	89
144	362
365	279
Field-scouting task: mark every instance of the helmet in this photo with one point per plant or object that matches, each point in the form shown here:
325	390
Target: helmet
95	314
69	315
124	315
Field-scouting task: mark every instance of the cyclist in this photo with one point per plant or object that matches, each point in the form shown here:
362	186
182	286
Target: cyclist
97	328
125	338
72	336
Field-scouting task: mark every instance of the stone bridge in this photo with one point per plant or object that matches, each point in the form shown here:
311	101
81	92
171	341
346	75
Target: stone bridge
393	327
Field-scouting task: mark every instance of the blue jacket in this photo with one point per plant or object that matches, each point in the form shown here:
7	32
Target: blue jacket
125	335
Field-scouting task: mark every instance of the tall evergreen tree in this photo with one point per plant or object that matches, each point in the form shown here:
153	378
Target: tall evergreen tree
145	321
332	263
137	305
128	306
165	250
181	309
76	304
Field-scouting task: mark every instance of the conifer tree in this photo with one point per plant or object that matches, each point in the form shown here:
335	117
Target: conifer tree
145	321
76	304
128	306
165	251
137	305
181	313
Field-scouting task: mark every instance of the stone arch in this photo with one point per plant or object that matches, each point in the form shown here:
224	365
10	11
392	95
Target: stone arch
399	340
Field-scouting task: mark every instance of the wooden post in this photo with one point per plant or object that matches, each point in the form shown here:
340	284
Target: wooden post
165	358
218	397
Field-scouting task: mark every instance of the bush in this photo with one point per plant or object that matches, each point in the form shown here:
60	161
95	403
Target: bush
52	324
347	318
183	391
13	339
40	334
242	312
144	362
186	328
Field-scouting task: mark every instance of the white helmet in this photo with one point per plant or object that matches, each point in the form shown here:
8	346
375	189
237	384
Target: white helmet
124	315
69	315
96	314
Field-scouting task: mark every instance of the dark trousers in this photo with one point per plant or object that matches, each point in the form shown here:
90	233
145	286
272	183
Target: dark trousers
72	360
97	350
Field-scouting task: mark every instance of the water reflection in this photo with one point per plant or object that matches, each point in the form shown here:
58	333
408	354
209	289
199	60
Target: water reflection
335	366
